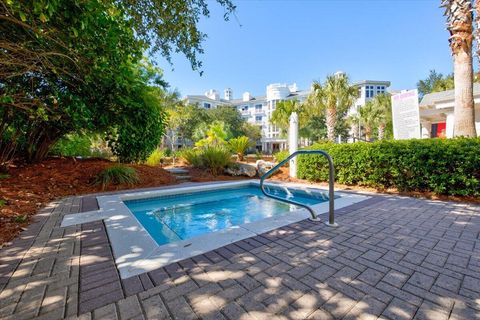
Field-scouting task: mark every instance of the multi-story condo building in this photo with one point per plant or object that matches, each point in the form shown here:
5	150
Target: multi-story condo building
255	110
258	110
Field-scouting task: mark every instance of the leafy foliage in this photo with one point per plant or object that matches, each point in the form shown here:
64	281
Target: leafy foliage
283	111
442	166
69	66
282	155
435	82
215	158
117	174
333	98
155	158
240	145
212	157
214	134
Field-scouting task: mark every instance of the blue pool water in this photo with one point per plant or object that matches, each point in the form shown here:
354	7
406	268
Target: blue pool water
183	216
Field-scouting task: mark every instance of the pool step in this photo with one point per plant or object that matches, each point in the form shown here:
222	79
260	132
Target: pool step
177	171
183	178
180	174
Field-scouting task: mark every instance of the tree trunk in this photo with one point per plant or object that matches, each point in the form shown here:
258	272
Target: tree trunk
381	131
368	133
464	110
331	120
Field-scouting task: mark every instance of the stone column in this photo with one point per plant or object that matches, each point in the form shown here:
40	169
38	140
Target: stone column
293	143
449	125
426	129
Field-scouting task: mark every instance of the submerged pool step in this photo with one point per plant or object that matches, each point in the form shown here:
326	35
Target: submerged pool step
196	203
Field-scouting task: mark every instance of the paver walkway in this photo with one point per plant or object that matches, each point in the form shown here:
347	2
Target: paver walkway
391	258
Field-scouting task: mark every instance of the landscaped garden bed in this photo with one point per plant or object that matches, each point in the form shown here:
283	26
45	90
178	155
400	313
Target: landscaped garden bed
28	187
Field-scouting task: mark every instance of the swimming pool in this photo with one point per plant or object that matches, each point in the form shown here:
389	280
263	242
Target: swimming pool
184	216
149	229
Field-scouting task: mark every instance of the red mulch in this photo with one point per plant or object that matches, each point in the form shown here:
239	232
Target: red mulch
32	186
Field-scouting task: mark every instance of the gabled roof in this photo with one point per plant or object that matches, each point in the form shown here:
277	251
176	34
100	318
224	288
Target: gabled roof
435	97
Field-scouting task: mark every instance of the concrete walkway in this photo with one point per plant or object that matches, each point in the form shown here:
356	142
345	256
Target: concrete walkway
391	258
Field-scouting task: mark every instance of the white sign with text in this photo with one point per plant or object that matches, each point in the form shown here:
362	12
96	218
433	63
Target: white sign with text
406	115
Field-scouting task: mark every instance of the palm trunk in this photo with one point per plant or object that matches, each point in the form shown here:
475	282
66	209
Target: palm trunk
381	131
331	119
464	110
368	133
459	23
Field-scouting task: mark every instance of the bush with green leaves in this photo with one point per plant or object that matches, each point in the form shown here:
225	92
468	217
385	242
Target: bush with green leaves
213	158
117	174
155	158
441	166
239	146
281	155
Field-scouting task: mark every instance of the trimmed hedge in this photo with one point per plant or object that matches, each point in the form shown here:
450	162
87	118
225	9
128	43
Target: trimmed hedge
442	166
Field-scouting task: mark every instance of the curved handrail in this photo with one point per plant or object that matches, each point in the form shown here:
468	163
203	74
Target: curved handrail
331	182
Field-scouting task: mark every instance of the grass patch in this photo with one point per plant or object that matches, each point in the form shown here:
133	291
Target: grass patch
4	176
21	218
116	175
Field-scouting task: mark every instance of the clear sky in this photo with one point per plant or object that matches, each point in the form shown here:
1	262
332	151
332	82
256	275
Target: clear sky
290	41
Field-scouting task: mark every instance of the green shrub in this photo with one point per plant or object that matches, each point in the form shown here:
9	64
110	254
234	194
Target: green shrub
116	174
81	145
281	155
239	146
72	145
213	158
155	158
192	157
442	166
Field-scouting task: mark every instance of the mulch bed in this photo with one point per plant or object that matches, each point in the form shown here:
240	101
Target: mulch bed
31	186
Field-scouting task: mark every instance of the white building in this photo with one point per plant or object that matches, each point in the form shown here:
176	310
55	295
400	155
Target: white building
258	110
367	89
436	113
255	110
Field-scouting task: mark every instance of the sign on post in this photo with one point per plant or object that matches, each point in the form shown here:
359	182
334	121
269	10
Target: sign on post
406	115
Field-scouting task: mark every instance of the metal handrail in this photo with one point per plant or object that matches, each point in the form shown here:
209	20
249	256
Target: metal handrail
331	182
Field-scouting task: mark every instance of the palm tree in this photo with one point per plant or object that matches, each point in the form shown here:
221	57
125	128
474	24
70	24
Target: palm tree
240	145
382	105
459	23
283	110
353	122
368	118
335	95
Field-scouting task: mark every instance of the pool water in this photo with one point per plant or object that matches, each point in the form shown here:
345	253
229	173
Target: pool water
184	216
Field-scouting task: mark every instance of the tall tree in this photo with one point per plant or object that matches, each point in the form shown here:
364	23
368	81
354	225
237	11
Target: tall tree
336	95
460	25
382	108
368	118
283	111
435	82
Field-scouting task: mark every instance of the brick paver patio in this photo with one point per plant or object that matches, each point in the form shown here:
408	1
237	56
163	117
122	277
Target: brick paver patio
391	258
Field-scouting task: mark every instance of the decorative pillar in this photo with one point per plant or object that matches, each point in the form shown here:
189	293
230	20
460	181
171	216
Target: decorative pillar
293	143
449	125
426	129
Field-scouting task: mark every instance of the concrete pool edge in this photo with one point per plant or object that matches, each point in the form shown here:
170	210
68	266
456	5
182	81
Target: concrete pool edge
136	252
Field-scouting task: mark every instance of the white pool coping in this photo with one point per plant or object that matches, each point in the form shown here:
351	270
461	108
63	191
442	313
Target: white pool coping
136	252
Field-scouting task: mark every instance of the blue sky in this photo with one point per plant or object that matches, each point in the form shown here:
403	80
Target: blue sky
300	41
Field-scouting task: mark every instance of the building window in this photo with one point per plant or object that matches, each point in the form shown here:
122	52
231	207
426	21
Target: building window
258	118
369	91
380	89
258	107
244	108
207	105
